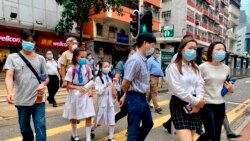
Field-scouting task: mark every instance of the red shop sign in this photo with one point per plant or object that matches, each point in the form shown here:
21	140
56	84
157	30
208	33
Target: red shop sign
51	42
8	38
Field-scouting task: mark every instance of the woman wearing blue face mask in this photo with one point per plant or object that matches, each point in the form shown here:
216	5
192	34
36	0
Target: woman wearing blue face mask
79	107
214	73
104	88
186	87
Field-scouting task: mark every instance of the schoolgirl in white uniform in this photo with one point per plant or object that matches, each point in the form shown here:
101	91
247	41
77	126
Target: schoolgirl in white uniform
106	95
79	107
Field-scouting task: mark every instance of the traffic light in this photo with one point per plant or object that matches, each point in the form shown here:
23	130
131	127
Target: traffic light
146	22
135	23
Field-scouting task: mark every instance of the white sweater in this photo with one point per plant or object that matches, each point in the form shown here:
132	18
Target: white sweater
214	77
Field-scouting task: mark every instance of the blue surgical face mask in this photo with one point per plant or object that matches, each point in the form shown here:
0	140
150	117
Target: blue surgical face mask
189	54
219	55
106	70
83	61
150	52
28	46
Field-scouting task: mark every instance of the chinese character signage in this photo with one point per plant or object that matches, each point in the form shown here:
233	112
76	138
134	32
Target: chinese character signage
51	42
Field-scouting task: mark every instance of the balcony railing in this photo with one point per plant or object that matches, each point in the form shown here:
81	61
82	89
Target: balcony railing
191	3
204	25
205	12
190	18
199	8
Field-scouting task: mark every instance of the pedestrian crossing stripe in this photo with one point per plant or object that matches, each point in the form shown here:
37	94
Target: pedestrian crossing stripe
232	115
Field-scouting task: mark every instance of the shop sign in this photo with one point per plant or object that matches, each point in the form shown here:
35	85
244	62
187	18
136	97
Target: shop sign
51	42
9	38
166	58
122	38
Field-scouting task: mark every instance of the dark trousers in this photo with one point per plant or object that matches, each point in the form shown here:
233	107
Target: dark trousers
139	116
53	87
123	111
37	111
212	118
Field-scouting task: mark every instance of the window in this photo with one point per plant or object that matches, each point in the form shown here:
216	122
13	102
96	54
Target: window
99	28
166	14
122	31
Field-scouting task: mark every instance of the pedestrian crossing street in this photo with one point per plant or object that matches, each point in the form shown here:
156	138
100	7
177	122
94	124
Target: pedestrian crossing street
120	135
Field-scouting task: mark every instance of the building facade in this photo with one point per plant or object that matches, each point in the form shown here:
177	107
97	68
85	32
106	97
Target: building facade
233	22
39	15
205	20
110	33
245	4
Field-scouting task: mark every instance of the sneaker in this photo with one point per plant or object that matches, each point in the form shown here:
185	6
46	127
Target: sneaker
111	139
76	138
233	135
158	110
167	127
54	105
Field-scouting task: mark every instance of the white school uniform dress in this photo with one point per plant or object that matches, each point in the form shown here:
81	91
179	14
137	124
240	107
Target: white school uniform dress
78	107
106	112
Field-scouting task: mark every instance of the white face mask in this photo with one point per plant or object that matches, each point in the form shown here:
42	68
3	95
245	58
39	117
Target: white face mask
74	47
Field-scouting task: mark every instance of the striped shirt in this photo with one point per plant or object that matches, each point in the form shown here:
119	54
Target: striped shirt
136	72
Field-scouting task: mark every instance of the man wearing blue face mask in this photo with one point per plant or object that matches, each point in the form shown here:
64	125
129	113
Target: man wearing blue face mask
135	86
155	71
29	97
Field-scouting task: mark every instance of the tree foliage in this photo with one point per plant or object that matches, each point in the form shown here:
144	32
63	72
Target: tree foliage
80	11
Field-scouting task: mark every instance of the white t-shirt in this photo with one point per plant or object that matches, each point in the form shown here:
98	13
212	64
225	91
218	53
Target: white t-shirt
214	77
52	67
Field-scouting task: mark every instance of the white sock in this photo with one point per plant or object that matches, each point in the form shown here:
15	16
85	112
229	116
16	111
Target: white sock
74	130
111	132
88	131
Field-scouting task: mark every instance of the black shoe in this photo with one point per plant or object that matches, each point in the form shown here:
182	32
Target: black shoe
54	105
92	134
167	127
76	138
49	101
158	110
111	139
199	131
233	135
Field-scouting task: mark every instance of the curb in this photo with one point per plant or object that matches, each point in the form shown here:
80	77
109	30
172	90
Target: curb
245	122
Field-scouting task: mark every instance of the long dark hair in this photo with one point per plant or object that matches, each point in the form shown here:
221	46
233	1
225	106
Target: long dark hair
75	54
100	72
178	60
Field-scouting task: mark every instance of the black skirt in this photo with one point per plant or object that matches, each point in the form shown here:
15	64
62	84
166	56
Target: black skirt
181	119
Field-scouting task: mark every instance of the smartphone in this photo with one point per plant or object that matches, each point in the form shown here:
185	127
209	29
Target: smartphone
228	78
187	109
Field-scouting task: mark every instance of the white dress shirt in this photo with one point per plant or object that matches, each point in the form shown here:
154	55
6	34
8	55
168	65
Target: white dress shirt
187	85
